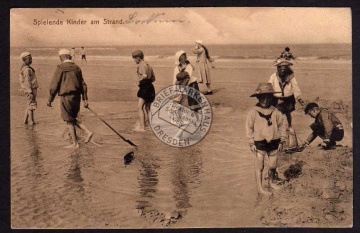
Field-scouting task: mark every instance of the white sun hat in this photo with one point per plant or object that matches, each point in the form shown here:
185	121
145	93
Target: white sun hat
64	52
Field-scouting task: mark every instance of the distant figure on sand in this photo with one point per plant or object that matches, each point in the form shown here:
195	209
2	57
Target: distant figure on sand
73	54
326	125
287	89
29	85
146	93
266	132
203	57
286	55
83	54
183	77
69	84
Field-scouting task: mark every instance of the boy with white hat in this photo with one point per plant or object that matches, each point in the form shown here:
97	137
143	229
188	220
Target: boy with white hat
266	131
29	85
69	84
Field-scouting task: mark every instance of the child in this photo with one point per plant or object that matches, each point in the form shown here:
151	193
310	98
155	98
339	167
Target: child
72	54
83	54
203	58
326	125
183	77
29	85
286	55
266	131
146	92
69	84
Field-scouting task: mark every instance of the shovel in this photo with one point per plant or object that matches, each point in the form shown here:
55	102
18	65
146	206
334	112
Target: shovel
126	140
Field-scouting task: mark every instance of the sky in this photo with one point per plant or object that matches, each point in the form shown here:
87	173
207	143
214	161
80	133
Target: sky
180	26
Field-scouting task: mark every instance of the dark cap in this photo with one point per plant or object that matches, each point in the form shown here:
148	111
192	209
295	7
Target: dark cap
138	53
309	107
182	75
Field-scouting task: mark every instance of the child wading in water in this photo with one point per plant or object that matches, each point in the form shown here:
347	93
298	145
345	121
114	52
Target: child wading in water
146	92
29	85
266	132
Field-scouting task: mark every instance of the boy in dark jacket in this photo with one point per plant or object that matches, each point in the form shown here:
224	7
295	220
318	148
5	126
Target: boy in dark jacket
326	125
69	84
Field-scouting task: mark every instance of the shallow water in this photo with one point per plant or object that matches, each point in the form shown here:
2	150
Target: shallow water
54	187
211	184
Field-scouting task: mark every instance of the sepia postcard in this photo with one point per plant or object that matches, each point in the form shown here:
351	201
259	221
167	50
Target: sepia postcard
134	118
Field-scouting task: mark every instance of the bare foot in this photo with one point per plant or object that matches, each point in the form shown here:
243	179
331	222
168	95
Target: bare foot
26	118
265	192
33	123
147	123
66	136
88	138
72	146
96	144
274	186
138	129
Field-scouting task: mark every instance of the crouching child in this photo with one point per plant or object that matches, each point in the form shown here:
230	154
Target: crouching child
266	131
327	126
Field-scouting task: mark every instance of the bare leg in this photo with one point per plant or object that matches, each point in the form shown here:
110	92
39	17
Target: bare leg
72	130
31	115
208	86
141	104
181	131
259	168
26	116
272	170
66	133
146	109
288	118
87	131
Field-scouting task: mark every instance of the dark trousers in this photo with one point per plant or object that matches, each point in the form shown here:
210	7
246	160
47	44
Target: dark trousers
285	105
336	135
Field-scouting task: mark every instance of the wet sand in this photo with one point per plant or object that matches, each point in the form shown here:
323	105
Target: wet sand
211	184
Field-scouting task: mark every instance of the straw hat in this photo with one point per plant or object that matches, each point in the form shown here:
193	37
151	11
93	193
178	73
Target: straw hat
178	55
64	52
199	42
25	54
264	88
283	62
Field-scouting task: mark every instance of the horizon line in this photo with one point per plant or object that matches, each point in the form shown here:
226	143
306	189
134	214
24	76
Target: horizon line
79	46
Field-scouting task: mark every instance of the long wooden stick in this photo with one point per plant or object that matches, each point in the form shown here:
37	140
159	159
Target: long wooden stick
126	140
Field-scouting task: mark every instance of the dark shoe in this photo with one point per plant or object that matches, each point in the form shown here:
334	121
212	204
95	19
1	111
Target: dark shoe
208	93
276	179
330	146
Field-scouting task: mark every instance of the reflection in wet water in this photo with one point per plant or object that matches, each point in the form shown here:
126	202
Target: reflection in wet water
79	158
148	181
186	169
74	173
182	166
34	152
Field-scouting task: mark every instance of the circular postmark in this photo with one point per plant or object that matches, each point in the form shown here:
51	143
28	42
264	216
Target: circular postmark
180	116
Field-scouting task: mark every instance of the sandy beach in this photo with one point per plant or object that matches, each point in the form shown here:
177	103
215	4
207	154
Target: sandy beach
210	184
